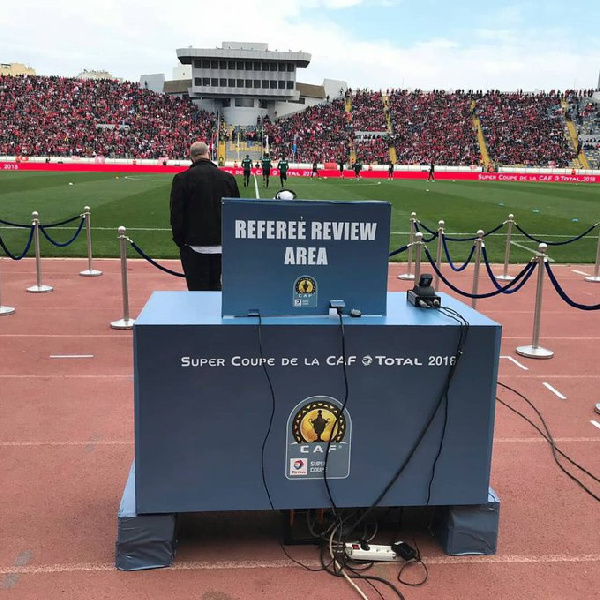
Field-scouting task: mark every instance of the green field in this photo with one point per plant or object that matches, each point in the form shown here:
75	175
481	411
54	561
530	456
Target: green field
141	203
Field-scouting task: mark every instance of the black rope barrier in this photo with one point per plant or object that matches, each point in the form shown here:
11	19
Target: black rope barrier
65	244
426	240
563	294
25	251
65	222
493	278
399	250
152	261
529	267
569	241
447	253
10	224
468	239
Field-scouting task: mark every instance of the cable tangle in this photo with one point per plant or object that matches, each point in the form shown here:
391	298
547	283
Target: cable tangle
25	250
564	295
152	261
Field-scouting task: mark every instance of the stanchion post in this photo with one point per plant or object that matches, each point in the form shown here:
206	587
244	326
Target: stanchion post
38	287
89	272
478	245
438	256
535	351
510	222
125	322
595	278
418	244
413	222
4	310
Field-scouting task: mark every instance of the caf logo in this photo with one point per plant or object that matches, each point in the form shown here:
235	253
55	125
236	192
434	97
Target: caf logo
305	285
319	421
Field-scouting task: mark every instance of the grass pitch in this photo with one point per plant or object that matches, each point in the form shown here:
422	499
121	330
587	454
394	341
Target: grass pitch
140	202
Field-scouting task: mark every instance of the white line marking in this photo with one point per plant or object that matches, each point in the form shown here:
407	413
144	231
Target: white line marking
97	442
542	440
256	187
516	363
595	423
553	390
286	564
580	272
71	356
529	250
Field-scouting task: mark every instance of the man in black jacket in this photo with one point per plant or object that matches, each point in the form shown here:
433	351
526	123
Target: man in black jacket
196	218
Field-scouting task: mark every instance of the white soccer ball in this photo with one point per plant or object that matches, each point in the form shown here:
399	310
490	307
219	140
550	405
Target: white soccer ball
426	190
70	183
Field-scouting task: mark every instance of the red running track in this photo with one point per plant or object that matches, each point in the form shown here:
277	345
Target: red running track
66	444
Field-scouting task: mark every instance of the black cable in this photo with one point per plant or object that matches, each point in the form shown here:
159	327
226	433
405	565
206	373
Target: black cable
550	440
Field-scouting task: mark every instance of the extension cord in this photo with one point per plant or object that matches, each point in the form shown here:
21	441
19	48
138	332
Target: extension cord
373	554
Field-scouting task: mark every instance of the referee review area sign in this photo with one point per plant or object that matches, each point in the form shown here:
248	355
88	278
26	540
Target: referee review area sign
290	258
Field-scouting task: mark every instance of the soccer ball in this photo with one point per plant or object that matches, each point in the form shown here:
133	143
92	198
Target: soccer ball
70	183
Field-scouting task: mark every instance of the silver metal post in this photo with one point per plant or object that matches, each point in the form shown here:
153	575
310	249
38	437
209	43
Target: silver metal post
125	322
39	287
510	222
418	244
89	272
408	274
535	351
478	245
438	256
595	278
5	310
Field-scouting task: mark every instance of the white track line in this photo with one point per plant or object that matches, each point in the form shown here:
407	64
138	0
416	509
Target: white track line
287	564
96	442
580	272
71	356
595	423
553	390
516	363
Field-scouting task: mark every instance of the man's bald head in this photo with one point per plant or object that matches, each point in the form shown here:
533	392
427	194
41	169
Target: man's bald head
198	150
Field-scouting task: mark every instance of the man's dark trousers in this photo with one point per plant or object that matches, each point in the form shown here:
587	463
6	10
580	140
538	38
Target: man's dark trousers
202	271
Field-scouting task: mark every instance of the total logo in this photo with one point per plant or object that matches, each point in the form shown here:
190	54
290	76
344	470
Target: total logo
298	466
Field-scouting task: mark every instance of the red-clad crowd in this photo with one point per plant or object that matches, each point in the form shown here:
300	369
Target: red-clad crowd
55	116
434	126
367	112
524	129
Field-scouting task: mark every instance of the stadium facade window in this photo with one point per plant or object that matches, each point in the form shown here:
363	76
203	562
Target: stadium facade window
214	82
257	66
205	63
248	65
281	85
248	83
240	65
265	84
273	66
231	65
223	82
244	102
240	83
262	103
257	83
214	64
273	84
231	82
197	81
222	64
265	66
206	81
197	64
290	67
289	85
226	102
281	66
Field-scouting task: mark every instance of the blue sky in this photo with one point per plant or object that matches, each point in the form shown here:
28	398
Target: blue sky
367	43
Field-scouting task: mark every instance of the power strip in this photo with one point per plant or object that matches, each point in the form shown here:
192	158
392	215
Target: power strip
373	554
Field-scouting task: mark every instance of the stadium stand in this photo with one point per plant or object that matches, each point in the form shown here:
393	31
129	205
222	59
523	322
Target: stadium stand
55	116
524	129
586	115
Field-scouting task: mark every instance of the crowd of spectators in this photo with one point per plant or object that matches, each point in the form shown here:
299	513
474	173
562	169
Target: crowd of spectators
524	129
434	126
56	116
585	114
